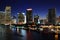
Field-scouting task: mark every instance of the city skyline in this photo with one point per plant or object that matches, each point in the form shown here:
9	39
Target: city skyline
39	7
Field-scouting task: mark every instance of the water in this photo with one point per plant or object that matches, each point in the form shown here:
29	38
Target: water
11	34
2	33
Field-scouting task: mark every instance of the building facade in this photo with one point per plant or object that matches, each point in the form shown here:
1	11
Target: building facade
36	17
13	20
58	20
52	16
29	15
20	18
2	17
7	14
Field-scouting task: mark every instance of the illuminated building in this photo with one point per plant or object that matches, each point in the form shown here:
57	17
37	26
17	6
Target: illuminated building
13	20
24	18
51	16
20	18
7	14
36	17
58	20
29	14
42	21
2	17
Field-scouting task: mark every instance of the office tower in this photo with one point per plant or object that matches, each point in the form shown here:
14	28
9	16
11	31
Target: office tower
20	18
52	16
36	17
2	17
7	14
29	16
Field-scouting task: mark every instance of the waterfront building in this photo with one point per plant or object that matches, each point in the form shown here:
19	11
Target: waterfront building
2	17
36	17
58	20
52	16
14	20
7	14
29	16
20	18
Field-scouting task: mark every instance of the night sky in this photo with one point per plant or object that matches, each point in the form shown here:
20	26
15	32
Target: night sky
39	7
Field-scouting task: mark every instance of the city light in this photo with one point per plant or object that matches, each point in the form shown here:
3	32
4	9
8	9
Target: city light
23	13
14	21
24	18
38	21
29	9
29	20
17	13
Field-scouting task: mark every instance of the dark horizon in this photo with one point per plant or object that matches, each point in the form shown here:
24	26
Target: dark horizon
39	7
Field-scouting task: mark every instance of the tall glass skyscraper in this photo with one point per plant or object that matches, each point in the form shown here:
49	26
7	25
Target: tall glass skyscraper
29	16
52	16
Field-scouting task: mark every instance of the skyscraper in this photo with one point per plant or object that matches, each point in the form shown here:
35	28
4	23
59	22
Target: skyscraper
8	14
2	17
29	15
20	18
36	17
52	16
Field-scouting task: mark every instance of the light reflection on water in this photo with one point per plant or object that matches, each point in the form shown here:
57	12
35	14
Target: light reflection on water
23	35
2	33
21	32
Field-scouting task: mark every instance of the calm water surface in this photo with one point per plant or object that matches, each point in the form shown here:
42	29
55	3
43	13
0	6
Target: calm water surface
7	34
